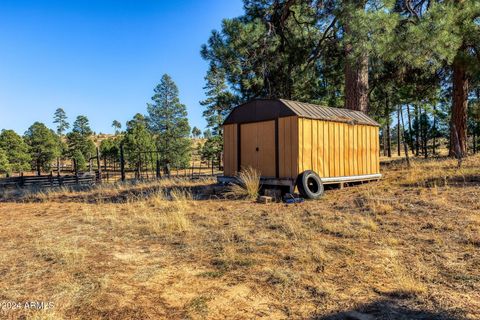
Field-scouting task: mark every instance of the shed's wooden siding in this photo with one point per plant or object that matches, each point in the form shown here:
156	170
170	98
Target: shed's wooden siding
257	147
335	149
332	149
288	147
230	157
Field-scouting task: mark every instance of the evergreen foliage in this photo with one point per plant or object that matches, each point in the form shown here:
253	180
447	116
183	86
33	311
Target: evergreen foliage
196	133
370	55
60	118
44	146
4	163
80	144
117	126
15	150
167	119
138	141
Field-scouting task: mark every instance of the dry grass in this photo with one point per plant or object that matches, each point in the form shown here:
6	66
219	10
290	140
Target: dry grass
406	247
248	186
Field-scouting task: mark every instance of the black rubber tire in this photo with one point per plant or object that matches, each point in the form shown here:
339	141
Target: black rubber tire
310	185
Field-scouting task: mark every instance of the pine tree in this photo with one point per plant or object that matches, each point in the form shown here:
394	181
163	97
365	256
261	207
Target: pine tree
196	133
82	126
60	118
207	134
80	144
16	150
443	35
4	163
466	14
220	101
167	119
44	146
117	126
110	149
138	141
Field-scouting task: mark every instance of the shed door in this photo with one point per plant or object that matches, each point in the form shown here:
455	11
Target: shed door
257	147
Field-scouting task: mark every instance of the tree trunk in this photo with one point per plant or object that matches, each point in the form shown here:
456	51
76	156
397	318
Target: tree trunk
458	120
75	166
474	142
38	168
417	130
356	72
434	130
405	146
389	140
398	131
384	142
356	83
410	129
424	134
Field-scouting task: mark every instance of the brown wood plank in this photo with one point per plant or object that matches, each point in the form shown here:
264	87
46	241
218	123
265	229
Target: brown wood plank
364	150
294	141
326	151
226	150
319	156
346	150
331	147
341	149
300	145
234	149
358	158
369	150
377	151
248	143
337	148
266	144
314	151
281	146
307	144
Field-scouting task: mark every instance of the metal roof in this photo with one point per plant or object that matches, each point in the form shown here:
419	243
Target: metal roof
261	110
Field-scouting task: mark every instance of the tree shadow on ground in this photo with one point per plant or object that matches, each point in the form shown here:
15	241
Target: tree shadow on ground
389	309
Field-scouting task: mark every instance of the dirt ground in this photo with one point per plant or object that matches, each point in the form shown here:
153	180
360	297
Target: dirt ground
407	247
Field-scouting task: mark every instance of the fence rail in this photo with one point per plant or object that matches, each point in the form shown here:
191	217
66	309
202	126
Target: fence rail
113	169
86	179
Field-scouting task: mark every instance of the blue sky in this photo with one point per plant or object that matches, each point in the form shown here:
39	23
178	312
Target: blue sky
101	58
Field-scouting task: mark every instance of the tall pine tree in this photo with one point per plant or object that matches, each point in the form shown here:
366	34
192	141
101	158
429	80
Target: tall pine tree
167	119
60	118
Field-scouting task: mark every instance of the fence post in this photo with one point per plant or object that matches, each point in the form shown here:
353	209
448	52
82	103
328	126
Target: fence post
122	162
99	167
157	169
75	166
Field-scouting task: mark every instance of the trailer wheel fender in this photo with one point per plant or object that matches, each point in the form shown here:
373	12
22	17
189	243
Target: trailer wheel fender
310	185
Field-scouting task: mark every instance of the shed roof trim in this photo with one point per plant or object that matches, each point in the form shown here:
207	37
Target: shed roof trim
260	110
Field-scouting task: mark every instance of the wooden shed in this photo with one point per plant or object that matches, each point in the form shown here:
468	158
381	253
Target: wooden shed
282	139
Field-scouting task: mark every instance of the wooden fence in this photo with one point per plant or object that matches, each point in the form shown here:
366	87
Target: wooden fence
101	169
83	179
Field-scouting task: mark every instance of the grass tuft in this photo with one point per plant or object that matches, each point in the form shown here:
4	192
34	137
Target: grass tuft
248	184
